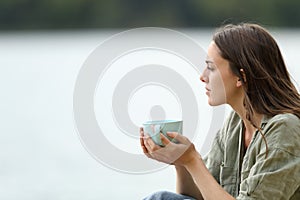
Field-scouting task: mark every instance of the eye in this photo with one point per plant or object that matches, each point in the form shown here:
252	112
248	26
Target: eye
209	66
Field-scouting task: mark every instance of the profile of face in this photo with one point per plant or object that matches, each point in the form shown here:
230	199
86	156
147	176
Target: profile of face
222	86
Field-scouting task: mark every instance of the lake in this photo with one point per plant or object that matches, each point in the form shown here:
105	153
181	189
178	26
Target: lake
42	155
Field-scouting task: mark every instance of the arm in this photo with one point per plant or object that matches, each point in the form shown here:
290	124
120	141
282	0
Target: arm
273	177
185	155
185	184
208	186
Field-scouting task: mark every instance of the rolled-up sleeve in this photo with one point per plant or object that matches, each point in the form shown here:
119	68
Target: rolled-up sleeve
276	177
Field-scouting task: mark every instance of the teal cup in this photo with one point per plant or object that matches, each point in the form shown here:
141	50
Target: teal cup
155	128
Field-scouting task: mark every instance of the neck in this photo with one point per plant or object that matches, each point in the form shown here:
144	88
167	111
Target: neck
249	128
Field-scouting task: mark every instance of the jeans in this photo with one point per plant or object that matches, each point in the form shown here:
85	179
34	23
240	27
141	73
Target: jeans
165	195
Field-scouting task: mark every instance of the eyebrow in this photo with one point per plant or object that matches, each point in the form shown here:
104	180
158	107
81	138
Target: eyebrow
209	61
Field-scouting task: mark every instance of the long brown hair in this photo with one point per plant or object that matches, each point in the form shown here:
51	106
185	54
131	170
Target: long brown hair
267	84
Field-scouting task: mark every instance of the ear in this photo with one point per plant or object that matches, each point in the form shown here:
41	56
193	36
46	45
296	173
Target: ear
240	82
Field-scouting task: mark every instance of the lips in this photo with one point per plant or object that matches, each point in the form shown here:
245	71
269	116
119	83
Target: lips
207	91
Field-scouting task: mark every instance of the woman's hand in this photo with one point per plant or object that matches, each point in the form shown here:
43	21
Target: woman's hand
172	153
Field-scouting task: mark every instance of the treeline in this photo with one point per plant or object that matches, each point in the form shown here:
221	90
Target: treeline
76	14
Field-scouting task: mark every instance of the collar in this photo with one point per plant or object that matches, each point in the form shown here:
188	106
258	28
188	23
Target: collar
265	119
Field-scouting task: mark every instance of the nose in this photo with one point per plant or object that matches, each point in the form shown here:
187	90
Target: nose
203	77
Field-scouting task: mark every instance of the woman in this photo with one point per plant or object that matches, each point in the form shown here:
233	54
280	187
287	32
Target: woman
256	155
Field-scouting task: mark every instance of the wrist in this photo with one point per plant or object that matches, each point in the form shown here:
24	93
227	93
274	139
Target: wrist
195	160
179	167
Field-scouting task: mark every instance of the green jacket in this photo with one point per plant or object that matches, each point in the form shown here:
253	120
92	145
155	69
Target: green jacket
250	174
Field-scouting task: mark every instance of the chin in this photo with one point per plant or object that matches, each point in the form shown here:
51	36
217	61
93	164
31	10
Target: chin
214	103
211	103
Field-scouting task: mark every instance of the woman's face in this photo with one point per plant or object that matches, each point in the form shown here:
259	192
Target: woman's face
222	86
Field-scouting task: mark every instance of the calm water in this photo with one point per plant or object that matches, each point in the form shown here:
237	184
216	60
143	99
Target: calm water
40	152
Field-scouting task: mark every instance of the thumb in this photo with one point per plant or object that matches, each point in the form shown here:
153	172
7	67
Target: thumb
180	138
165	141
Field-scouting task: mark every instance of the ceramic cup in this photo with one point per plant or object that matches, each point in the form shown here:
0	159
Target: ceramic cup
154	128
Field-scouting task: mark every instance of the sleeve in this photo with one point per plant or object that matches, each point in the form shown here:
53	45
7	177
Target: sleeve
267	180
214	158
276	177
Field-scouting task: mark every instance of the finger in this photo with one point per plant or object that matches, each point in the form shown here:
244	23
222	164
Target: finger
150	144
146	142
142	137
142	131
145	151
180	138
165	141
143	145
144	148
142	142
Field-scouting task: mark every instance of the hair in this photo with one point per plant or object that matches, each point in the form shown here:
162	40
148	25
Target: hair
266	81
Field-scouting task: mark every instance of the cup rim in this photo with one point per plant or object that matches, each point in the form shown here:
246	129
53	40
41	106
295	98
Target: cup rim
161	121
